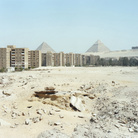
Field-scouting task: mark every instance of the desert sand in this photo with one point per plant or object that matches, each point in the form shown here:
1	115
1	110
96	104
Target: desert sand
89	102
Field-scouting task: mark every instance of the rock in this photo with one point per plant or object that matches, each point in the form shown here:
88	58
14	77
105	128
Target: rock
43	110
61	116
87	87
50	113
93	119
57	110
40	118
116	125
76	103
29	106
131	130
113	82
136	130
4	123
50	123
7	93
39	111
82	87
91	96
135	126
57	123
23	114
80	116
13	115
36	119
27	121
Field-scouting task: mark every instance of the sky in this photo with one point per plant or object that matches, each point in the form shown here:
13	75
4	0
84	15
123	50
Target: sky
69	25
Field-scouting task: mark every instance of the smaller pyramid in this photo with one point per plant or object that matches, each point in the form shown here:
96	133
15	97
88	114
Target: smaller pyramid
98	46
44	48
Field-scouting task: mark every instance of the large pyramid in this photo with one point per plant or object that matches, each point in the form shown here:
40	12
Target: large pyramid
98	46
44	48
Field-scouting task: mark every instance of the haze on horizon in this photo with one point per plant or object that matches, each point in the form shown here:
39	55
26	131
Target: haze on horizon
69	26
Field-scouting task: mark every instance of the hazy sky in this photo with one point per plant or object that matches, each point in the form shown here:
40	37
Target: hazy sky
69	25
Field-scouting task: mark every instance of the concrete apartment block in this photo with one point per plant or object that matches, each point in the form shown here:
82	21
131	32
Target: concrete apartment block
62	59
69	59
5	58
78	60
34	58
19	57
94	59
59	59
43	59
11	46
49	59
83	60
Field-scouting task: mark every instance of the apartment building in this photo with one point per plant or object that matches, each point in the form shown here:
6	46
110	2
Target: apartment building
94	59
83	60
62	59
43	59
69	59
23	58
78	60
34	58
49	59
59	59
4	58
19	57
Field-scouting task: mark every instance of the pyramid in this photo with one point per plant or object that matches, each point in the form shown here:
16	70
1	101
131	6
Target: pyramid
98	46
44	48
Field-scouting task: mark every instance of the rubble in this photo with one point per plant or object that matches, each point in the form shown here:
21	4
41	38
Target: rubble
76	103
27	121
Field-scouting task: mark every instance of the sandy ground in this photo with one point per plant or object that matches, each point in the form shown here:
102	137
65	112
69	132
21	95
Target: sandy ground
17	102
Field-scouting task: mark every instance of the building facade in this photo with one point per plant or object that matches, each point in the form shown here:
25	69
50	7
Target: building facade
78	60
34	59
5	58
19	57
69	59
49	59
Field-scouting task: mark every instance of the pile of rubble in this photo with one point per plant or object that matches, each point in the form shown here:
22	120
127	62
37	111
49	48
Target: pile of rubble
76	100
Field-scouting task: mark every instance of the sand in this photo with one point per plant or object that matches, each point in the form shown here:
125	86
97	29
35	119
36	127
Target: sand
105	84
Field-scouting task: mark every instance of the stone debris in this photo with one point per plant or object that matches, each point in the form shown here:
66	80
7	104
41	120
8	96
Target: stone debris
57	123
57	110
7	93
27	121
36	119
131	130
80	116
50	113
44	111
61	116
38	111
76	103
